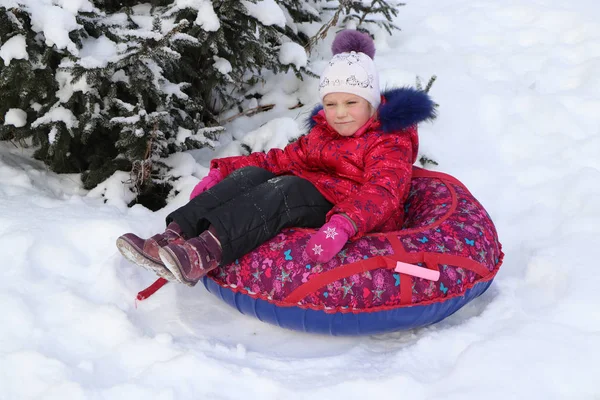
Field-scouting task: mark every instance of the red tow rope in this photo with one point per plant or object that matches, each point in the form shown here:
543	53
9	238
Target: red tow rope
150	290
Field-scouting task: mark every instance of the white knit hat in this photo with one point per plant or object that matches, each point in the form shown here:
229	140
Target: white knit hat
351	70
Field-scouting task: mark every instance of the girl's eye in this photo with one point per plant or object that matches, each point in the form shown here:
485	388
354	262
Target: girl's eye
351	102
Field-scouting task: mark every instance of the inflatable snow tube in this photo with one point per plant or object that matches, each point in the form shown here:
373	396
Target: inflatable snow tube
445	256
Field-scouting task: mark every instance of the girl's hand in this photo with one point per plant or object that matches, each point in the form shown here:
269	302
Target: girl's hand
330	239
214	176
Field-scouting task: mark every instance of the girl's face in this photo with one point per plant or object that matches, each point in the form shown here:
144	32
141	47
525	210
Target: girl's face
346	112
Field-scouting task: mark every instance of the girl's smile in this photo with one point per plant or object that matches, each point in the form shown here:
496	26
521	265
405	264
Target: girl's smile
346	112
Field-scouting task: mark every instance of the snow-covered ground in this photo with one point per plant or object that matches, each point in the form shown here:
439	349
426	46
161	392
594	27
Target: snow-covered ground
519	93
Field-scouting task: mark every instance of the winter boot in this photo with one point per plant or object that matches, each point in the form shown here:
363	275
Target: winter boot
191	260
144	252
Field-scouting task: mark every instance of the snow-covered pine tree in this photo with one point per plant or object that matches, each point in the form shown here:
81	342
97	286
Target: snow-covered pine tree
27	68
364	15
135	107
238	41
111	6
131	110
299	12
34	90
169	68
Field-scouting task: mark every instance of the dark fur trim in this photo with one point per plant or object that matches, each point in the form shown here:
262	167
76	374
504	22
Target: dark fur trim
310	122
403	107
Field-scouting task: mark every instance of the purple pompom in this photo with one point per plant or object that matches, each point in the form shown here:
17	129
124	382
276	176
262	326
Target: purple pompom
350	40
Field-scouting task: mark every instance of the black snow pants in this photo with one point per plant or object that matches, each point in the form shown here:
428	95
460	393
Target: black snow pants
251	206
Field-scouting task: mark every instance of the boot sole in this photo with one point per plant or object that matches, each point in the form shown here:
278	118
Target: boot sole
131	253
173	265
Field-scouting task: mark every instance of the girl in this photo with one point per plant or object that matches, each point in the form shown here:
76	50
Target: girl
349	175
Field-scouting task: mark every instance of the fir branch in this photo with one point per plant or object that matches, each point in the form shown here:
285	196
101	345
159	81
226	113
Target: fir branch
322	32
249	112
256	110
430	83
424	160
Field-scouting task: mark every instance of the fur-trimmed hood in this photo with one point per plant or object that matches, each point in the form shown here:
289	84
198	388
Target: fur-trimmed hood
400	108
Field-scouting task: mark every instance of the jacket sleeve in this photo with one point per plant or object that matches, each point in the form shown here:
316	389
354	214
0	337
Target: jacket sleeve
278	161
388	172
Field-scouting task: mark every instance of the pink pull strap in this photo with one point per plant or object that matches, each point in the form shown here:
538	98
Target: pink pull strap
419	272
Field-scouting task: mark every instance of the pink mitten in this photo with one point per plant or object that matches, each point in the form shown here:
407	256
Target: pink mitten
214	176
330	239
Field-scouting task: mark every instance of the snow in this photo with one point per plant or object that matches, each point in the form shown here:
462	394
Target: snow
206	17
222	65
55	21
57	114
97	52
199	136
120	76
276	133
266	11
74	6
15	48
15	117
184	37
52	135
131	120
159	81
114	191
66	86
518	123
293	53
